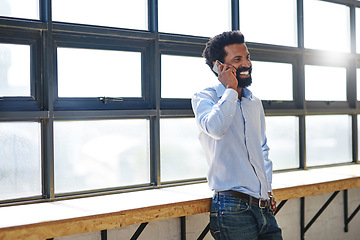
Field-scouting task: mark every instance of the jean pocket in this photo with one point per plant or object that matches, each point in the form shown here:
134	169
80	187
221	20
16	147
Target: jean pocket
233	205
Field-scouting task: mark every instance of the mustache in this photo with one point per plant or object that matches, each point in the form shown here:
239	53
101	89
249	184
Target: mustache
243	69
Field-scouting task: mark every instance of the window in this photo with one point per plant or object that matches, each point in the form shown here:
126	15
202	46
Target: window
15	70
101	154
113	13
95	96
272	81
328	140
105	73
320	32
203	17
20	8
358	133
357	13
181	154
325	83
20	160
358	83
271	24
192	75
283	140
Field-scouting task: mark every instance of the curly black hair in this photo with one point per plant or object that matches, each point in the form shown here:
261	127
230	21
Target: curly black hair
215	47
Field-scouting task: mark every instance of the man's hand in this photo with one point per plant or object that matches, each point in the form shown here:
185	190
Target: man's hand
272	202
227	75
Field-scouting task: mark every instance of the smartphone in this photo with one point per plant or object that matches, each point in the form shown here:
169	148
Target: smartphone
215	67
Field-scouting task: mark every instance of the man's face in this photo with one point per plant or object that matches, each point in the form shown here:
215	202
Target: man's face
238	56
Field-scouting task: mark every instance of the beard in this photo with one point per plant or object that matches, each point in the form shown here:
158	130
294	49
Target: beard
244	82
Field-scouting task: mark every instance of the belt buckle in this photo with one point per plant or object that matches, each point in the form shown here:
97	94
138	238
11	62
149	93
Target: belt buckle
264	201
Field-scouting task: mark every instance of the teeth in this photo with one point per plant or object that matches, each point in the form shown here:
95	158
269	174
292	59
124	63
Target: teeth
245	73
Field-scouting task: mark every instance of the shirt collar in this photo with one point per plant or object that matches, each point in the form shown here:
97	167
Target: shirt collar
220	89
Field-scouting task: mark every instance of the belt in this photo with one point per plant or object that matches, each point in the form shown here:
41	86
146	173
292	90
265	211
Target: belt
261	203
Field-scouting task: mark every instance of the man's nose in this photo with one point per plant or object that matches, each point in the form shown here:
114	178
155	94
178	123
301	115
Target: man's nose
245	64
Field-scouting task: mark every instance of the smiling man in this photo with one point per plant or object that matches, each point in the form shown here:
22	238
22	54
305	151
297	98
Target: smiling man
232	124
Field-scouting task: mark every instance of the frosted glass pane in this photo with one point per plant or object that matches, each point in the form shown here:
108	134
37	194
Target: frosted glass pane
200	17
328	139
325	83
98	73
182	76
20	8
358	83
358	122
181	154
14	70
267	79
357	12
258	19
113	13
283	139
20	160
101	154
328	31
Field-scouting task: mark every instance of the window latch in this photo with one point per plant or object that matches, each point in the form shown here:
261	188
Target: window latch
106	99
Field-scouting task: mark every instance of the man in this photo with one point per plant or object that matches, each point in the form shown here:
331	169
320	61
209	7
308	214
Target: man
232	124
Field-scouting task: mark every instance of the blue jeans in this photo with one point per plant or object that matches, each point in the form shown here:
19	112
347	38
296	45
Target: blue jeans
232	218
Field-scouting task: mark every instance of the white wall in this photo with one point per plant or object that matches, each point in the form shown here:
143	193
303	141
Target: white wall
329	226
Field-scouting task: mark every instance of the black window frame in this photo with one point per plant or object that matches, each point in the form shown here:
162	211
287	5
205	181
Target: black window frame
44	36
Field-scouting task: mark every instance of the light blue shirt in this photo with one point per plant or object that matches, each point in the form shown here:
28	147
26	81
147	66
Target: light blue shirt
233	138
